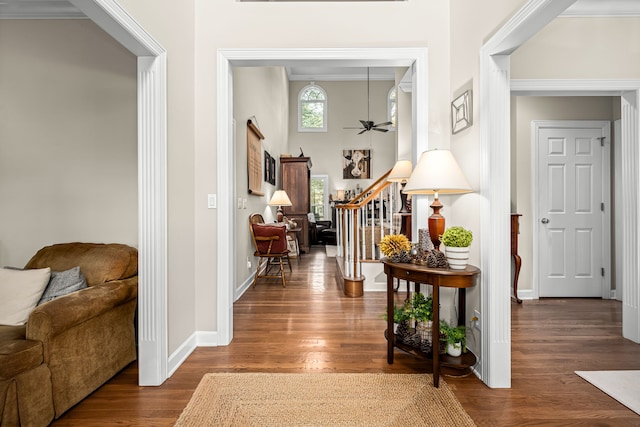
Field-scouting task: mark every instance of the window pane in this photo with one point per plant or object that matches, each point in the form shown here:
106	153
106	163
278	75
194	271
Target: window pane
312	115
312	94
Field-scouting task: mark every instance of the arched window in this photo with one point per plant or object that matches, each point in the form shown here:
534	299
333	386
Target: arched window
312	109
392	107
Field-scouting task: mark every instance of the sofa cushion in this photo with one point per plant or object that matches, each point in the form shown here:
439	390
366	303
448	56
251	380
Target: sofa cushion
99	262
63	283
17	356
20	291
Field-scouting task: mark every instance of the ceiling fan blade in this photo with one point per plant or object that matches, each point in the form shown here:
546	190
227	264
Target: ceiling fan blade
352	127
361	132
364	123
381	130
383	124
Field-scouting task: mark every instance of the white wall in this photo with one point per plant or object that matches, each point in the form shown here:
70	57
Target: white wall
68	148
581	48
347	104
524	110
262	95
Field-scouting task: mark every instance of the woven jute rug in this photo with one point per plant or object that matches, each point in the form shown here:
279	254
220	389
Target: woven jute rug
259	399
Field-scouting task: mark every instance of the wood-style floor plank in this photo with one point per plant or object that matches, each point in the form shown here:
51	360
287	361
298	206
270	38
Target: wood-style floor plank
312	327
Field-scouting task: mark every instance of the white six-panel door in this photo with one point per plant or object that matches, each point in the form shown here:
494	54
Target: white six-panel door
573	206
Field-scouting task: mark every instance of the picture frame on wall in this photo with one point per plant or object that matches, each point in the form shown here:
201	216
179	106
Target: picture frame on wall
356	164
461	112
269	168
272	167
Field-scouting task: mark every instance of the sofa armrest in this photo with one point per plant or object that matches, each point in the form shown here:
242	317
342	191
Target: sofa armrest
61	314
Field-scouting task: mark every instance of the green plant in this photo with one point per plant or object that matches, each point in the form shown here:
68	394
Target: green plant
456	237
400	314
454	334
421	307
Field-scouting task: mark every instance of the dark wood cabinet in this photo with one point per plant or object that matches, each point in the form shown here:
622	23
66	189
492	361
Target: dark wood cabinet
295	175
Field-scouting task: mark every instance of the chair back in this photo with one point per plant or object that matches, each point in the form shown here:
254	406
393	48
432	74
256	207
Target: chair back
256	218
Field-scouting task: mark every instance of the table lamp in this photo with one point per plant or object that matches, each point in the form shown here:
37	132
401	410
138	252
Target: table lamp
437	172
401	173
280	199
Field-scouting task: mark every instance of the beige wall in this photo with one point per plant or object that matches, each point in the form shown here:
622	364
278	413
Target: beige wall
528	108
347	103
262	95
68	152
581	48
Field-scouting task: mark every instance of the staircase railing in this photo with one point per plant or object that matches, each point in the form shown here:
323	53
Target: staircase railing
363	222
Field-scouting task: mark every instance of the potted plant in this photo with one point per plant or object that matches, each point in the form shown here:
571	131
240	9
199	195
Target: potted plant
422	312
457	241
456	337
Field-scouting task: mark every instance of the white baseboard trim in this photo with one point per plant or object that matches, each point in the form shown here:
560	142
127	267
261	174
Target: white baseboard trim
178	357
197	339
243	287
526	294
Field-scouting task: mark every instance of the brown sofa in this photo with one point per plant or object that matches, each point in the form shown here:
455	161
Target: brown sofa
73	344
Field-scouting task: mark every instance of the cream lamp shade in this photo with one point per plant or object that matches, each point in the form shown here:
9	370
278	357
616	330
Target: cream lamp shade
280	199
437	172
401	173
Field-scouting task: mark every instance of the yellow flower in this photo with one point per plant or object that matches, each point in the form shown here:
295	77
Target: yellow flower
394	243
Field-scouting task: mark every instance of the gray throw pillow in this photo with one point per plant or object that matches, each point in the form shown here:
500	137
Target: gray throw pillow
63	283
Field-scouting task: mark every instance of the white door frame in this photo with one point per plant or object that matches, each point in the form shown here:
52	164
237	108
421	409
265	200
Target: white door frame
606	199
229	58
152	182
495	93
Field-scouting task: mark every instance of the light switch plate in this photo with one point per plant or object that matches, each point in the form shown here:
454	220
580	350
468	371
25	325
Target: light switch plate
211	201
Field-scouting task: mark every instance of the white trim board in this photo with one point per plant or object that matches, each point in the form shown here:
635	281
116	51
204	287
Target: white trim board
152	182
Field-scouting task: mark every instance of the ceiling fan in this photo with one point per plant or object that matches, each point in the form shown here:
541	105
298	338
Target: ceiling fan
368	125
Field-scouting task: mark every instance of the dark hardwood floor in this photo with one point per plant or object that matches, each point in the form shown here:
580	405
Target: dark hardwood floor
311	327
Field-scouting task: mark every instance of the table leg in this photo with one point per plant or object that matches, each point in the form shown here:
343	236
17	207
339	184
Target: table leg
436	336
390	335
518	262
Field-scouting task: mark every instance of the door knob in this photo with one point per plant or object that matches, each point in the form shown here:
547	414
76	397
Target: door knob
545	220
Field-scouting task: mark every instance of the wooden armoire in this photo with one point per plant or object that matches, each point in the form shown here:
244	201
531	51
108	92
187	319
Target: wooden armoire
295	175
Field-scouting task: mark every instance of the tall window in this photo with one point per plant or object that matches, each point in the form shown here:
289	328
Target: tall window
320	197
392	107
312	109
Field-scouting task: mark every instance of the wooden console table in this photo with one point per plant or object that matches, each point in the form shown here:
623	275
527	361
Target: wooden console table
515	230
435	277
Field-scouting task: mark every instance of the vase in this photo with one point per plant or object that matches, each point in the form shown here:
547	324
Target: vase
454	350
457	257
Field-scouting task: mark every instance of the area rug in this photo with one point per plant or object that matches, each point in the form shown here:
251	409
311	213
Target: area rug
262	399
331	251
624	386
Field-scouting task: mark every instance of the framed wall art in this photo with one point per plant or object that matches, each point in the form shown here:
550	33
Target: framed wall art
461	112
356	164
